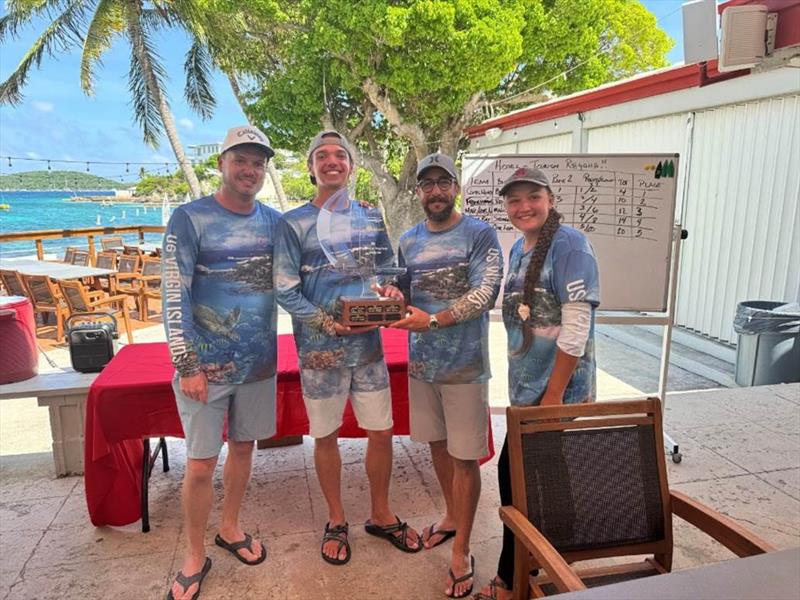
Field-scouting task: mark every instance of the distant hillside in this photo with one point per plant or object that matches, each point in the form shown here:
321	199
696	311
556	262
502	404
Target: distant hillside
58	180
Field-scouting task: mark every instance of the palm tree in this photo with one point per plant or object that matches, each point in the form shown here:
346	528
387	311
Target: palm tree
225	37
92	26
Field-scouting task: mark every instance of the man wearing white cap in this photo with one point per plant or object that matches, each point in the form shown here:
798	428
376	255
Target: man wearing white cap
220	317
337	362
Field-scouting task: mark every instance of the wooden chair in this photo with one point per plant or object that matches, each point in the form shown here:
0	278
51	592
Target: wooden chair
81	258
131	250
149	284
47	301
107	260
112	242
13	283
127	277
80	300
68	253
589	481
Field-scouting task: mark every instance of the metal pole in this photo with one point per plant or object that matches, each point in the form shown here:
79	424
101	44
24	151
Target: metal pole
678	234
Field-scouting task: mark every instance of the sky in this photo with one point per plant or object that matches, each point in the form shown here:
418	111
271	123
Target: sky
57	121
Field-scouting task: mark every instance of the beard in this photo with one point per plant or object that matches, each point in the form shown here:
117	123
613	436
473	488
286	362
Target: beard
443	214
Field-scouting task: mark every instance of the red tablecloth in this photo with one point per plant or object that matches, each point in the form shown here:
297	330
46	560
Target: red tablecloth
132	399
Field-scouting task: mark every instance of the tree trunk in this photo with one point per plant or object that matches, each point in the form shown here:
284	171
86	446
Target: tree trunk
134	28
276	183
177	147
273	172
402	211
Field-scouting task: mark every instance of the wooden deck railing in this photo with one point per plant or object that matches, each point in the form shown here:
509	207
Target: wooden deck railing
87	232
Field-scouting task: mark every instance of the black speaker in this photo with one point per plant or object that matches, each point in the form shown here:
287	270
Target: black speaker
92	340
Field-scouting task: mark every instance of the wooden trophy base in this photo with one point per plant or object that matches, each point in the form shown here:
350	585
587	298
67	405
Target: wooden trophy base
358	311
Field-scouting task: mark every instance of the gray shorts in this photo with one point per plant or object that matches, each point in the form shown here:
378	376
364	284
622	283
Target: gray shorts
249	407
458	413
325	393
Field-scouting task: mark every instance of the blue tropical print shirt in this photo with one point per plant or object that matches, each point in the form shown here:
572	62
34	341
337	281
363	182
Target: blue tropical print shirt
569	274
309	288
220	313
460	269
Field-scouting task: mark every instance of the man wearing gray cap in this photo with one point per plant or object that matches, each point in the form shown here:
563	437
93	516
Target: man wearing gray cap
337	362
220	317
454	269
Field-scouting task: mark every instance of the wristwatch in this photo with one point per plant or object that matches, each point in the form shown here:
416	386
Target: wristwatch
433	323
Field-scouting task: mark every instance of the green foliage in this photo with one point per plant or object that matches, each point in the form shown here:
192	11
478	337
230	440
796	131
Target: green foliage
603	41
58	180
401	78
365	191
430	57
297	186
175	183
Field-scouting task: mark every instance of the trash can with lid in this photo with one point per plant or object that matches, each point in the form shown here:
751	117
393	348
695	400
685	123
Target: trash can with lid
769	343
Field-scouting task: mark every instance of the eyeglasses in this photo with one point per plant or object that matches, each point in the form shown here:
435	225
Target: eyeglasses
444	184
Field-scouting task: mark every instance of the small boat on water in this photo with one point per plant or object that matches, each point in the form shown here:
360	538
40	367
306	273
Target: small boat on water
5	207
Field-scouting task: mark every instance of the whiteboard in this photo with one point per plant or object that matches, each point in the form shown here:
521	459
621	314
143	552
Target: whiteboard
624	203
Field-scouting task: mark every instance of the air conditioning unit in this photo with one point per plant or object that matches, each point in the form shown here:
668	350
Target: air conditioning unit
745	32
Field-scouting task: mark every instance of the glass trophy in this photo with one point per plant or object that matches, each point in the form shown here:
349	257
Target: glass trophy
354	239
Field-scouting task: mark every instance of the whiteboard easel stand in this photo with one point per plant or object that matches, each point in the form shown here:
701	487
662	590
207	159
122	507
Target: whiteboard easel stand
666	319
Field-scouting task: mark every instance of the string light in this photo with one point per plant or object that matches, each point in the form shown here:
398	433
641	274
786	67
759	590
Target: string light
86	162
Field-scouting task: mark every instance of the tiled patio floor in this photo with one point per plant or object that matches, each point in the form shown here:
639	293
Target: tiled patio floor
741	455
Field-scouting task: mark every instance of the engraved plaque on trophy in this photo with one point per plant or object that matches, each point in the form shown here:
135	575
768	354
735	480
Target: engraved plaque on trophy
371	311
353	239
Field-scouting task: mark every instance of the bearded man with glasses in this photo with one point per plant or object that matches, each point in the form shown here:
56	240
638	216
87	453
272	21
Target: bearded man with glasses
454	269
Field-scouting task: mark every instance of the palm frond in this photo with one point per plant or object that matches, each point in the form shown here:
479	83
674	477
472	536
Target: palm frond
156	19
63	32
23	13
107	22
198	90
145	82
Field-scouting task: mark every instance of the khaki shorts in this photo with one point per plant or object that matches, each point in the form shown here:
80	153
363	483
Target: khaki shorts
458	413
249	407
325	393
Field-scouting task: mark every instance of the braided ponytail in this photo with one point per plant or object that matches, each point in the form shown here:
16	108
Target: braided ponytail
535	265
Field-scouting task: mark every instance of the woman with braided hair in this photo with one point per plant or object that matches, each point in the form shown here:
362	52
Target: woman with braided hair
551	293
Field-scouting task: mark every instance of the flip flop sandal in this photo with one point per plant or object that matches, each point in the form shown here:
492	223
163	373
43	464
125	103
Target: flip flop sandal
444	535
494	585
456	580
387	532
187	582
338	534
234	547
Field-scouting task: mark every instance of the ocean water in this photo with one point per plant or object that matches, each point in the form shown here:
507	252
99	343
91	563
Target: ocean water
34	211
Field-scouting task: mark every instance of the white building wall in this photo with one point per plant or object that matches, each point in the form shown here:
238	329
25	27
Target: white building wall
555	144
742	213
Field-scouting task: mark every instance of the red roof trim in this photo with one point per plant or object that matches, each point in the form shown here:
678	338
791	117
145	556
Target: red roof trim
663	82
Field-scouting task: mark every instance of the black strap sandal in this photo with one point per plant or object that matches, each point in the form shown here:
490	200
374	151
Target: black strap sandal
456	580
388	532
234	547
495	584
442	535
338	534
187	582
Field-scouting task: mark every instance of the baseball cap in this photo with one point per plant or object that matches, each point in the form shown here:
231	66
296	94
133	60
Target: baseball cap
527	175
437	160
246	134
329	136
